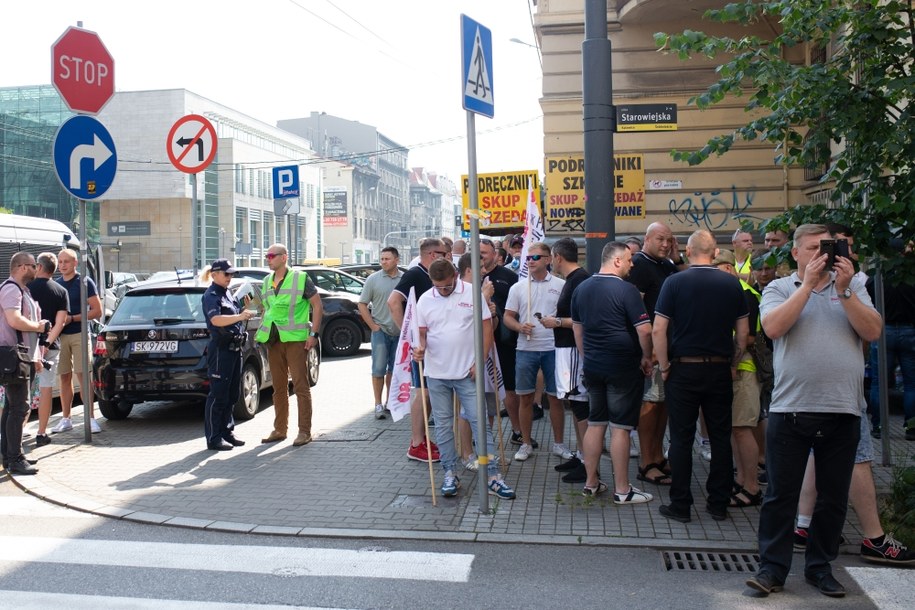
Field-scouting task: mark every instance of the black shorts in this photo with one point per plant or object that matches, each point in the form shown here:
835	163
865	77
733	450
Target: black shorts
507	362
615	400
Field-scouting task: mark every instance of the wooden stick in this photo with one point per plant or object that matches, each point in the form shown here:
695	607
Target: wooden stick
422	389
495	385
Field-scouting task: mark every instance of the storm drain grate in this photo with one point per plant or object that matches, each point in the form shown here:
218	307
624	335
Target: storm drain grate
695	561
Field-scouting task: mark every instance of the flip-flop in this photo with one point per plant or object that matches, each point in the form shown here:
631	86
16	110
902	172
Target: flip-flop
661	479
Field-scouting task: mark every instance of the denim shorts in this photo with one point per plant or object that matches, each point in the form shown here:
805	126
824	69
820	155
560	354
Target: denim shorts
615	401
384	348
414	370
526	366
865	451
47	377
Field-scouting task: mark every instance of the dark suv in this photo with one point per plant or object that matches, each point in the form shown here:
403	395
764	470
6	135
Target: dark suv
343	329
154	348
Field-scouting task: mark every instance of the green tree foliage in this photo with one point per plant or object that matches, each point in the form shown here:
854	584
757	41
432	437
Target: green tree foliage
857	100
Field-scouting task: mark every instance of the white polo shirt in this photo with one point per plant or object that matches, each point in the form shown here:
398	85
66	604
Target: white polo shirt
449	331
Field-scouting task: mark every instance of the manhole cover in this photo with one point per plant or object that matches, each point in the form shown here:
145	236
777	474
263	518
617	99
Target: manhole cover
698	561
347	435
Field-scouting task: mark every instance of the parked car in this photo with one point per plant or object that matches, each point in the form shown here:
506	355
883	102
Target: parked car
343	330
364	270
333	280
154	348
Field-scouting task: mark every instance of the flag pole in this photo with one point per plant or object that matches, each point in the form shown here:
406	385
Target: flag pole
422	390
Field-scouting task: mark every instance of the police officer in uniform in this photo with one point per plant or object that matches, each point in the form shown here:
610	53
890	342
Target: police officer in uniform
225	321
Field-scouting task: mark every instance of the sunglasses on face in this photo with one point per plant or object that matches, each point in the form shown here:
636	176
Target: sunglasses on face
270	256
439	252
535	257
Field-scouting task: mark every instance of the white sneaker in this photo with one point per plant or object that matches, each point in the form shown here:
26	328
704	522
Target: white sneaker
634	496
706	451
633	445
93	425
471	463
524	452
62	426
379	411
562	451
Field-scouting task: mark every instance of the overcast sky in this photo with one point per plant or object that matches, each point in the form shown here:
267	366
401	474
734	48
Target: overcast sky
393	64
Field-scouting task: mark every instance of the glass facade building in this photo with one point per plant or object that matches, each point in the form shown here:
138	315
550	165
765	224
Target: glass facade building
29	118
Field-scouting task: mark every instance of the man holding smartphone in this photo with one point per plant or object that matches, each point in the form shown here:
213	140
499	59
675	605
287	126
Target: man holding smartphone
817	320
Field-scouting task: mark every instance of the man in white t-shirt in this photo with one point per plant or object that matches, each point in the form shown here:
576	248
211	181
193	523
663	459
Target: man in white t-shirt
445	317
530	302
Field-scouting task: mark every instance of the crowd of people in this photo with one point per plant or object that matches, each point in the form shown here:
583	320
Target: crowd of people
657	344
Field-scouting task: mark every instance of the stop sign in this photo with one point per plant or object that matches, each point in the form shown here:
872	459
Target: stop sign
82	70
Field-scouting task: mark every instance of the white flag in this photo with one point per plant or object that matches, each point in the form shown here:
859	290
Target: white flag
533	227
494	369
402	377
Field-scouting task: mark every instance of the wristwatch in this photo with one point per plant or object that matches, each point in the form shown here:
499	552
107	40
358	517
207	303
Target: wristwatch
846	294
316	334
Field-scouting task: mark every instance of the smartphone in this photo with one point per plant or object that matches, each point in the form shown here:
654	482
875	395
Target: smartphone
828	247
842	248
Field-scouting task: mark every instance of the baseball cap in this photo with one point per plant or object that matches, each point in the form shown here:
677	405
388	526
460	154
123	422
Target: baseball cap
725	257
517	240
222	264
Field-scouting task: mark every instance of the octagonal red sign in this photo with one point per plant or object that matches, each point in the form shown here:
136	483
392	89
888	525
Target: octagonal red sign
82	70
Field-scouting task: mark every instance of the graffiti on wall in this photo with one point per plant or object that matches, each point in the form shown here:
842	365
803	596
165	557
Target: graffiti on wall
712	210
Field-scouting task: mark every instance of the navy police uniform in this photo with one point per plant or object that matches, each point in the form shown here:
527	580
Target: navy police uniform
223	364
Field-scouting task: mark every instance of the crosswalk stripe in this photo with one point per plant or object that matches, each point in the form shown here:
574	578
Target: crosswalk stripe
32	600
30	506
888	588
284	561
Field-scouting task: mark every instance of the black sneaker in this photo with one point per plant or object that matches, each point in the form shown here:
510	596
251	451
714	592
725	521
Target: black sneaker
22	467
765	583
42	439
875	432
891	552
568	465
538	412
517	440
578	475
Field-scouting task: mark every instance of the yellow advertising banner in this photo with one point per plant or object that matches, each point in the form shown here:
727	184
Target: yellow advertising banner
502	198
565	187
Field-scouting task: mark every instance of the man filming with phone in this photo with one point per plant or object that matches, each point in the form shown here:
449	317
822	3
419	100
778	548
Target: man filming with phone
817	318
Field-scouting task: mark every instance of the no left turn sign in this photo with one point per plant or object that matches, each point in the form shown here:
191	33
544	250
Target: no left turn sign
191	143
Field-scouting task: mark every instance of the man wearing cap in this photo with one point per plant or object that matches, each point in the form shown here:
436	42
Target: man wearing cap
290	327
225	318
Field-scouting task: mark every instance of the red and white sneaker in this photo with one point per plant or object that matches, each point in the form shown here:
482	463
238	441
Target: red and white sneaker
420	454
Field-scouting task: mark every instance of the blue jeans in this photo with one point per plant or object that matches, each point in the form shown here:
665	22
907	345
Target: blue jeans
384	347
900	349
441	395
789	439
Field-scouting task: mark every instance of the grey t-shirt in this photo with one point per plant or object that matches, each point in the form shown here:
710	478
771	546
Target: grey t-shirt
378	287
819	363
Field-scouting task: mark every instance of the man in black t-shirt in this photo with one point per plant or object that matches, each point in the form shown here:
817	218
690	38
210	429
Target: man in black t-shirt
417	278
705	314
650	268
54	302
502	279
569	372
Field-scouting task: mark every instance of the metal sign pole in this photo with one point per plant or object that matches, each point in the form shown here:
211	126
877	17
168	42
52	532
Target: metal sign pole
479	356
85	388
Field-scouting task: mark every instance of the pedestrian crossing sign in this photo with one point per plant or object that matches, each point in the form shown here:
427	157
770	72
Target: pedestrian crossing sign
476	59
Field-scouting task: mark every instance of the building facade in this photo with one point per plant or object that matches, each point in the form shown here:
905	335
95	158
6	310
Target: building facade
746	182
369	203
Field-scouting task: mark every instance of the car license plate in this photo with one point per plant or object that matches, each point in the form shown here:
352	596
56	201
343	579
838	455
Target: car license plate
154	347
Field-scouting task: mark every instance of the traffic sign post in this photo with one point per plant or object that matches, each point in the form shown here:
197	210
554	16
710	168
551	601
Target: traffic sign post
85	157
191	147
477	89
82	70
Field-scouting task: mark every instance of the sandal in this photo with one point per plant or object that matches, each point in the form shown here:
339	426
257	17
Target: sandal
661	479
590	492
751	499
664	467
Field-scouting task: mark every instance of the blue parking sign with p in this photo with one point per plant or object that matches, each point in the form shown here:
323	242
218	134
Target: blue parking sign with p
286	182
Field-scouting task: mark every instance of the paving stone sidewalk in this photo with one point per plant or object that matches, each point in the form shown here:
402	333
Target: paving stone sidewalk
355	480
